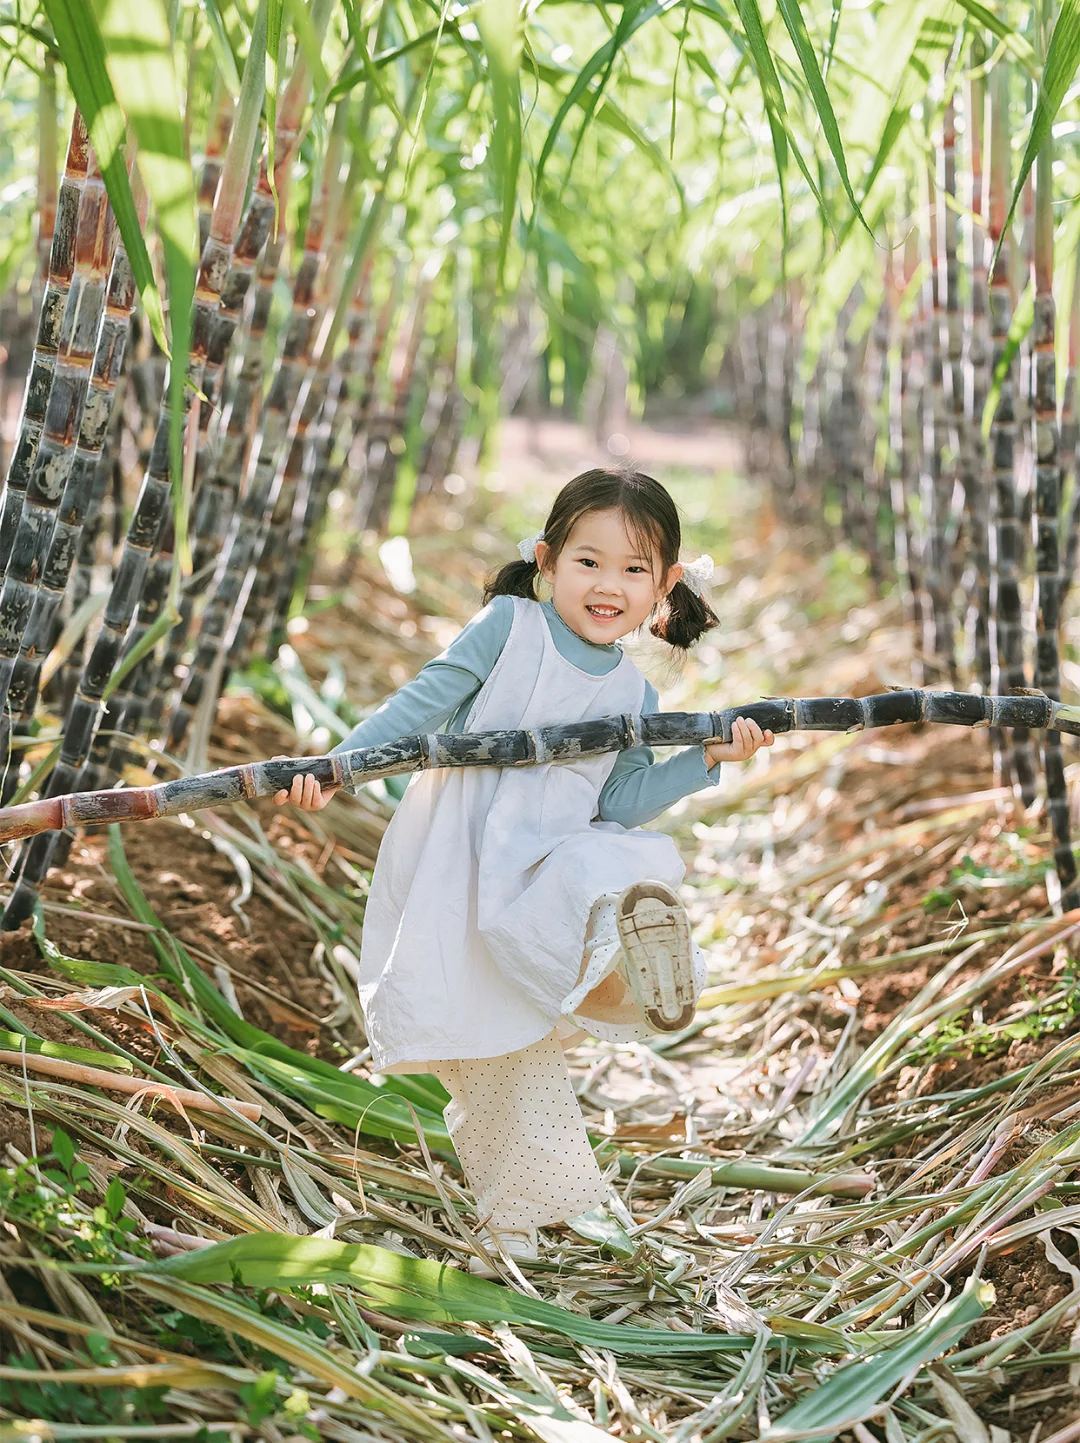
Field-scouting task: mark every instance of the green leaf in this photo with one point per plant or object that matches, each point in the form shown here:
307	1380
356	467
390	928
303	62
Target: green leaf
115	1198
86	973
273	55
139	60
332	1093
64	1148
308	40
1062	58
773	96
853	1392
86	1056
1023	318
500	28
796	28
420	1289
219	40
601	1228
634	16
83	52
1004	31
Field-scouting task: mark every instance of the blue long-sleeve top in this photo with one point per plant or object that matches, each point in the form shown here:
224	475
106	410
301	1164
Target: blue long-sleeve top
438	698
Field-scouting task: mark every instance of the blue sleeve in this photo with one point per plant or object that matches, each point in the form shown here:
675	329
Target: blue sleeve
440	686
639	788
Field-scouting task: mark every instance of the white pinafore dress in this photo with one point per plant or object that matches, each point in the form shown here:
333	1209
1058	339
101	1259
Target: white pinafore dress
473	933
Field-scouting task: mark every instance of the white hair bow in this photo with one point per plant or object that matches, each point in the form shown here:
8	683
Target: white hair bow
527	548
696	573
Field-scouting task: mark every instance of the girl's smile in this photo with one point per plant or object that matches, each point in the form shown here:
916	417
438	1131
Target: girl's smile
601	584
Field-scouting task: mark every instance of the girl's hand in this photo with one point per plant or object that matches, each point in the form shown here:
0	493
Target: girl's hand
746	738
305	792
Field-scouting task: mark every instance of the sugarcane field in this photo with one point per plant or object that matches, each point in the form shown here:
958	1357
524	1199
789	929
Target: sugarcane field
540	730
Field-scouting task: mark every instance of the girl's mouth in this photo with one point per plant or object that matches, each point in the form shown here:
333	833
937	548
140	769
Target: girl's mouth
604	613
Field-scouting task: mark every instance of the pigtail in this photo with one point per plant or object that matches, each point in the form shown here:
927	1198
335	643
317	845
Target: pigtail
516	578
682	617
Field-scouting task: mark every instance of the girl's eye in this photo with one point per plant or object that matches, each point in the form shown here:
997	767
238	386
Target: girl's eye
588	561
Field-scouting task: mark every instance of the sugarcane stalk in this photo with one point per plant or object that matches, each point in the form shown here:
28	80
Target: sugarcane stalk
1006	538
50	321
86	349
153	502
876	426
345	414
977	379
896	460
216	141
1048	499
66	679
1070	439
405	389
46	181
216	502
567	742
309	382
365	428
936	481
334	438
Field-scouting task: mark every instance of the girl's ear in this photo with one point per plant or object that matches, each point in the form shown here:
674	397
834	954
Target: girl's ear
672	578
542	552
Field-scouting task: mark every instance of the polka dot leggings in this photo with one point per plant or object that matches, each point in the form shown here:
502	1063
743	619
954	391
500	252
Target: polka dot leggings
520	1136
514	1120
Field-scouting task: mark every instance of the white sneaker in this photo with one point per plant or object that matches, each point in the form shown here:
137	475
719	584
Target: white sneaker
655	934
521	1244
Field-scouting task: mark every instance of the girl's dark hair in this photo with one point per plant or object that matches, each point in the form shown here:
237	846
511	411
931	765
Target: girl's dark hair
652	521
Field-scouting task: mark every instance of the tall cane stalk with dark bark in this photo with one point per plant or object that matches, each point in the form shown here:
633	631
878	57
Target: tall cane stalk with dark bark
152	503
95	242
1047	498
1006	540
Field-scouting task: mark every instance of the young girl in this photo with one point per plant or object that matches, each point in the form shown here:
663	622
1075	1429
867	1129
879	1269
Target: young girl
514	909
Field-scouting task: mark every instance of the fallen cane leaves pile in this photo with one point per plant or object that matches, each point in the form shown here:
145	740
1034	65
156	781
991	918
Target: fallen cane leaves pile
845	1201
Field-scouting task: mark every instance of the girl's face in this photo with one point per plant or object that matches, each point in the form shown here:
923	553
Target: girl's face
600	584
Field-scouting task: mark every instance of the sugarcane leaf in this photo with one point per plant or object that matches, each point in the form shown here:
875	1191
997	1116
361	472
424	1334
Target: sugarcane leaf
933	40
273	56
1062	58
331	1093
146	643
614	117
82	50
773	98
351	1101
1023	318
223	54
601	1228
37	776
39	1047
634	15
830	48
139	59
288	1342
853	1392
501	32
308	41
796	28
418	1288
1004	31
81	970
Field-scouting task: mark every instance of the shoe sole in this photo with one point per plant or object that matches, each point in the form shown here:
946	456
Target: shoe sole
655	934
